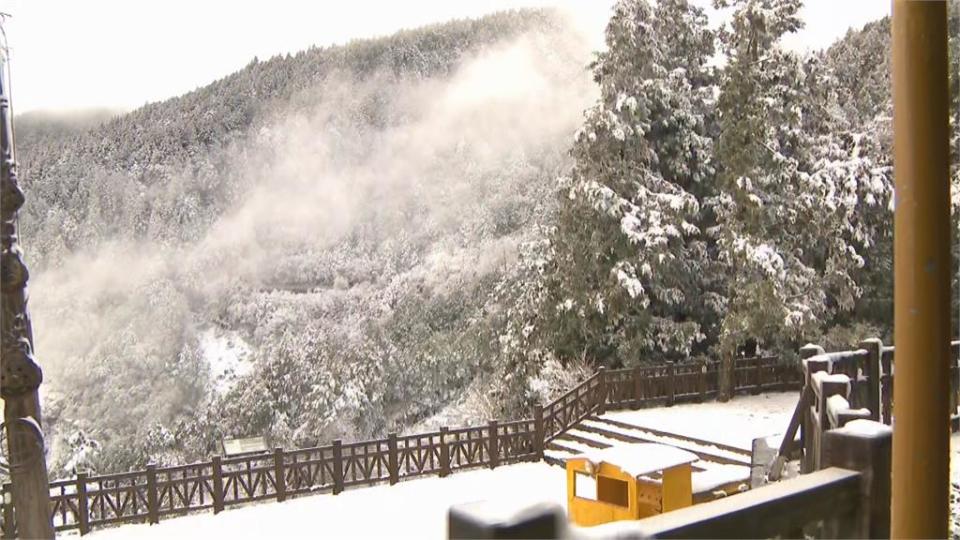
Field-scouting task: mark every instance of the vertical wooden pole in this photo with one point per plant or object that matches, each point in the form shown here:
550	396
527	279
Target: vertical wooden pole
637	388
702	382
874	348
886	387
9	526
217	467
83	504
922	270
492	432
337	466
153	505
758	376
725	375
539	437
601	396
671	376
280	480
444	453
392	458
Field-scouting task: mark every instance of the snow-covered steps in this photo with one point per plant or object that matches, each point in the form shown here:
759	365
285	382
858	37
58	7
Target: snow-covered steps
721	469
632	433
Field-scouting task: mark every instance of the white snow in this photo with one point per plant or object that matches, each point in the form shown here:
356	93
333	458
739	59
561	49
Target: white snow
867	428
414	509
734	423
718	474
837	403
639	459
227	356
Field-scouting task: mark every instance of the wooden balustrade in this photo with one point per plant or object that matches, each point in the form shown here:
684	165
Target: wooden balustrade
147	496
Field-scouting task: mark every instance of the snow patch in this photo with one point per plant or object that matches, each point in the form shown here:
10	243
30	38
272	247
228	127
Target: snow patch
639	459
228	358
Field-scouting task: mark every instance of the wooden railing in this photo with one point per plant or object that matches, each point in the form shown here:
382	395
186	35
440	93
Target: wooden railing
146	496
848	498
667	384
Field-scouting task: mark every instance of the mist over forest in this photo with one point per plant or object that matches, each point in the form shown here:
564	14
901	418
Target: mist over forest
451	224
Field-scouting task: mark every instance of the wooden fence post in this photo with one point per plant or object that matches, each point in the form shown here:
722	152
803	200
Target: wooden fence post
671	382
494	444
280	481
217	467
337	466
9	524
758	388
868	452
637	388
886	387
444	453
83	504
702	382
153	497
392	459
538	436
725	375
601	396
874	348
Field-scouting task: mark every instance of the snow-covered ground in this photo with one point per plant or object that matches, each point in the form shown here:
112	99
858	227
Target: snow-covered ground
418	508
735	423
413	509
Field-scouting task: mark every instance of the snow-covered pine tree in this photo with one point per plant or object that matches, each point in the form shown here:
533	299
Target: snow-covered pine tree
789	184
632	273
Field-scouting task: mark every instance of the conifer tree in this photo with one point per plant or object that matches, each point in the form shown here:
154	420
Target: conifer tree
632	263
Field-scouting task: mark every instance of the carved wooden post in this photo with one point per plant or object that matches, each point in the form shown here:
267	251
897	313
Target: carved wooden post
280	480
869	452
392	459
494	444
637	388
601	395
539	438
337	466
671	383
21	375
874	348
153	506
444	453
217	467
83	510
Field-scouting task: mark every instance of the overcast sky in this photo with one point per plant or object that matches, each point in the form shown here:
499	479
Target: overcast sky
124	53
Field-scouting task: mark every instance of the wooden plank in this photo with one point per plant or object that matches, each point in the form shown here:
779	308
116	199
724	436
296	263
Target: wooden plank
802	405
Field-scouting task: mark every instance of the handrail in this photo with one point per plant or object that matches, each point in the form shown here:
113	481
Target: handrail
774	510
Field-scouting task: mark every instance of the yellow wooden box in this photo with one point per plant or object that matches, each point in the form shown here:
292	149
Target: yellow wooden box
630	481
